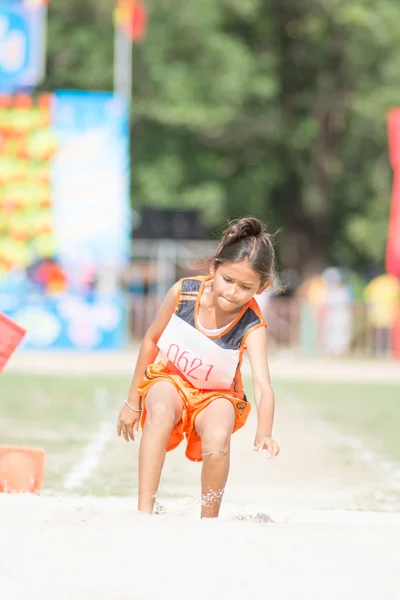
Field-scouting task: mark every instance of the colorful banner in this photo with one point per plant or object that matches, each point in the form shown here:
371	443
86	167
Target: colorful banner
69	321
22	45
393	243
27	145
65	217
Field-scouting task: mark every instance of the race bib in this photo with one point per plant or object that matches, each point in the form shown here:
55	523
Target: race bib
204	364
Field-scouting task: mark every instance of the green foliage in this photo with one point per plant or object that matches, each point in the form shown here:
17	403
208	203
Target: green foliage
275	108
80	45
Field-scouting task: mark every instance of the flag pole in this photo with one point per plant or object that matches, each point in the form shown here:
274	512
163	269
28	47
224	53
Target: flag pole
123	64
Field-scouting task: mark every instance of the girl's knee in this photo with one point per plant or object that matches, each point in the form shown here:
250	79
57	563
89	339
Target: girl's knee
163	406
216	442
160	414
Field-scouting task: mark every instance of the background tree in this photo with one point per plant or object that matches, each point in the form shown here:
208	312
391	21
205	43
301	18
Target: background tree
275	108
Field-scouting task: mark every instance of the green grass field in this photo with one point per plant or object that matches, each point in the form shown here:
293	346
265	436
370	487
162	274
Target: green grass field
61	414
370	411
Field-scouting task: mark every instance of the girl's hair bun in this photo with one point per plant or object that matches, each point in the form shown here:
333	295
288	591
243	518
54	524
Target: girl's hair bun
248	226
247	239
241	228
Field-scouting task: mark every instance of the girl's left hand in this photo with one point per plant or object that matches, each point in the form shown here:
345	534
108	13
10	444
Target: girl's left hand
268	444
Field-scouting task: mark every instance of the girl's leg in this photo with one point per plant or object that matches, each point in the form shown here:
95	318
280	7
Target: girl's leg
214	425
164	411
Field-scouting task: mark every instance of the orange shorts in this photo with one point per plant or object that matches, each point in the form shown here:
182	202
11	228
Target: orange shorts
193	401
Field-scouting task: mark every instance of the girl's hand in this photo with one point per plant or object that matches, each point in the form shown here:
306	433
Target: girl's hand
268	444
128	422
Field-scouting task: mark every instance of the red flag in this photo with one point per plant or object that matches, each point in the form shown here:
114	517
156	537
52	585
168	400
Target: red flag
139	22
393	243
11	336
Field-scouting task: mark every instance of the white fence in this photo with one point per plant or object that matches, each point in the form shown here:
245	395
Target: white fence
296	326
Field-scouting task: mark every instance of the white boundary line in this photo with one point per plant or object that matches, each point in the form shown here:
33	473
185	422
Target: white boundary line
362	453
366	456
83	470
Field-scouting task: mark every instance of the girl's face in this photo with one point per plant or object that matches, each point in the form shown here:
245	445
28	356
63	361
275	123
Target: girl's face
235	283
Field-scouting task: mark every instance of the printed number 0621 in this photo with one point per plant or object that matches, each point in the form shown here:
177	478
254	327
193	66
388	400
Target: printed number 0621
182	362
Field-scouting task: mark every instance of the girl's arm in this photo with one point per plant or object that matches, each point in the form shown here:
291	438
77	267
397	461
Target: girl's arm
129	418
148	348
263	393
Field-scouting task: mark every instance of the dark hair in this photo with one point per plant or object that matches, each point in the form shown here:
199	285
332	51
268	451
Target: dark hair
247	239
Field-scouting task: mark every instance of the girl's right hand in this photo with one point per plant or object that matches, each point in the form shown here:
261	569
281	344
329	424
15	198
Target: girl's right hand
128	423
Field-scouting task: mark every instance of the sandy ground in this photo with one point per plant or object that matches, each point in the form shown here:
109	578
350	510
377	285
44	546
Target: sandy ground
316	523
102	550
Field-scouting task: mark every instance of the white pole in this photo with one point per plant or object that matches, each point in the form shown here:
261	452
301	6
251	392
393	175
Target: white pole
123	65
44	49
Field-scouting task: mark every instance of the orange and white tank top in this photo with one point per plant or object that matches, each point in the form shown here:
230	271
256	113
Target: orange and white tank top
208	362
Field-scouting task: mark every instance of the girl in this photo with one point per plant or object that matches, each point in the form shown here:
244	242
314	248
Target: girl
195	388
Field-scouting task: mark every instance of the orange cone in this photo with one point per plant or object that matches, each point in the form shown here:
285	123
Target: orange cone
21	469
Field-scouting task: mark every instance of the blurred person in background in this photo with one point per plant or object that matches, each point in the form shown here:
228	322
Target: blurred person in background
277	306
337	317
311	294
382	295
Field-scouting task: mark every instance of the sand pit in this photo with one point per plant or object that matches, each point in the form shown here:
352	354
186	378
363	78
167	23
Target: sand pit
85	548
313	524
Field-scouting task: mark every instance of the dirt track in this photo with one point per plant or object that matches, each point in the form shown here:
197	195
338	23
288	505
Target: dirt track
286	366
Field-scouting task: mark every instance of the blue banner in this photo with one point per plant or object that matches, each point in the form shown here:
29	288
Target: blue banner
22	46
90	179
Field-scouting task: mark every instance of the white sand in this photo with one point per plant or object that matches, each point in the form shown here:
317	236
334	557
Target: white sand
102	550
336	532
